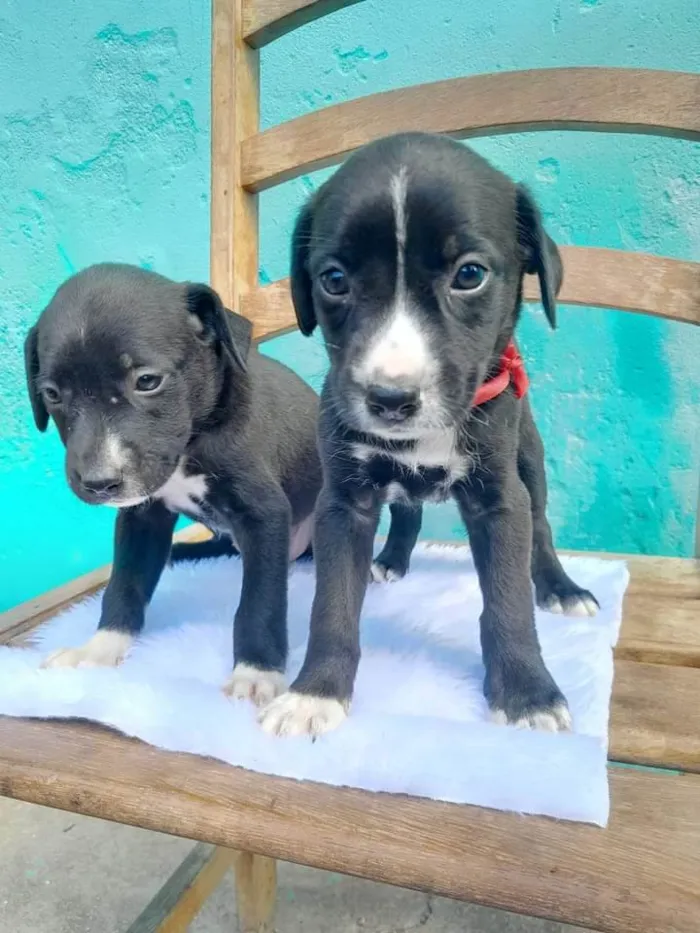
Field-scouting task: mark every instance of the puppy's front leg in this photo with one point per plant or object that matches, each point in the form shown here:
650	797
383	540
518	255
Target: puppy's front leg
319	698
142	541
518	687
260	523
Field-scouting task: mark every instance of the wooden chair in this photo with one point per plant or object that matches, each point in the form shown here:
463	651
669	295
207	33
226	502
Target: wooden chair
643	872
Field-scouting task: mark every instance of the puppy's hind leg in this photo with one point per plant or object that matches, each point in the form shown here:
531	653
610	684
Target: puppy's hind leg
393	561
142	544
555	591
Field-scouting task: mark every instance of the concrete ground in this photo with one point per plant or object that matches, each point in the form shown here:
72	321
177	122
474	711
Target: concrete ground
61	873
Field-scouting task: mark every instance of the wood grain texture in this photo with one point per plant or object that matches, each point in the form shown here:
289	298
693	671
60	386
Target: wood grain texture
615	100
604	278
267	20
655	715
256	890
182	896
235	116
610	278
658	628
270	309
642	873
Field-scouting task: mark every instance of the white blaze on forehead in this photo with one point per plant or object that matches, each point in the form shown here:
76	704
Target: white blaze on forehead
399	350
398	197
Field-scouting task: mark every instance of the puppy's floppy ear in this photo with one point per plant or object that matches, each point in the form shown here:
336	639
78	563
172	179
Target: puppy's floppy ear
216	323
299	274
31	366
540	252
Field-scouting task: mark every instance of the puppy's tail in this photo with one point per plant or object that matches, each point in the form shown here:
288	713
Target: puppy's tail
203	550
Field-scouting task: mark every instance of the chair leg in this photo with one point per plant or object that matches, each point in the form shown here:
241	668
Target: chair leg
182	896
256	890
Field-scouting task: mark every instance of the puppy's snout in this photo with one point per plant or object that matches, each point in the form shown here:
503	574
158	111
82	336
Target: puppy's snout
392	403
99	485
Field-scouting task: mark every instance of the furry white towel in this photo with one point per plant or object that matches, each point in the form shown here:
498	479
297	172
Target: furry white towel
419	723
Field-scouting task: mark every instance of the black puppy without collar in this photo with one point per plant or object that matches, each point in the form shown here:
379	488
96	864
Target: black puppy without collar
411	260
164	408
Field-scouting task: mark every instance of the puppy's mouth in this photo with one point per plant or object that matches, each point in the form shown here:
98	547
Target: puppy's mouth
129	503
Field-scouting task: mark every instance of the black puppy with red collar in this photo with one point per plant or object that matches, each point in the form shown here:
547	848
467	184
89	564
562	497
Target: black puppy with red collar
411	259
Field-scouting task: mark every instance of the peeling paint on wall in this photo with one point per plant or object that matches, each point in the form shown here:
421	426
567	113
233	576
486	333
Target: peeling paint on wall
104	148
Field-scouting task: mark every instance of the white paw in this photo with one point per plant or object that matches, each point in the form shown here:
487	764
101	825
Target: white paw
106	648
577	606
558	719
251	683
300	714
382	574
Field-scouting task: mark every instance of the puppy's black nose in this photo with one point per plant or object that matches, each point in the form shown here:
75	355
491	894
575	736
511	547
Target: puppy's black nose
102	486
392	403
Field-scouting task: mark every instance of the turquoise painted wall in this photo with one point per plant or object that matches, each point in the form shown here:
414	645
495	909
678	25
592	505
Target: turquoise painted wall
104	140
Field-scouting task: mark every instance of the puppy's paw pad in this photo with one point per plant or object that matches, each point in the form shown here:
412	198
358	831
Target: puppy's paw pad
252	683
555	719
301	714
105	649
380	573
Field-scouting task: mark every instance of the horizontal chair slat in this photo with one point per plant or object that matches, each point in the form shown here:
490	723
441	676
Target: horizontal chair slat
604	278
655	715
641	873
622	100
609	278
267	20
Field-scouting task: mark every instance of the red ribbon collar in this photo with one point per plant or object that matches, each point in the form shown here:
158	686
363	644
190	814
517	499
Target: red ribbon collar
512	370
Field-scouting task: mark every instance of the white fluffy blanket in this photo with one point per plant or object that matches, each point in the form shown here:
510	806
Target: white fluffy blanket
418	723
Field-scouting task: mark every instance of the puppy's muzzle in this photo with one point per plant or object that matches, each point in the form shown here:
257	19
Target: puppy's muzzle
97	486
392	404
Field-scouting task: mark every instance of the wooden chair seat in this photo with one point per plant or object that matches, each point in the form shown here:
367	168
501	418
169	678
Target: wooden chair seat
642	873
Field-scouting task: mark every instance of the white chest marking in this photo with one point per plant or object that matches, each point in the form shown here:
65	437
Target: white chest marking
400	350
396	493
183	493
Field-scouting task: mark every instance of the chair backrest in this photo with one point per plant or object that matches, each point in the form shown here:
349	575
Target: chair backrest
245	161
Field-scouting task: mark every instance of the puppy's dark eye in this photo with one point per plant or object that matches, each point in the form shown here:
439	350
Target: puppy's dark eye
469	277
51	395
147	383
334	282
